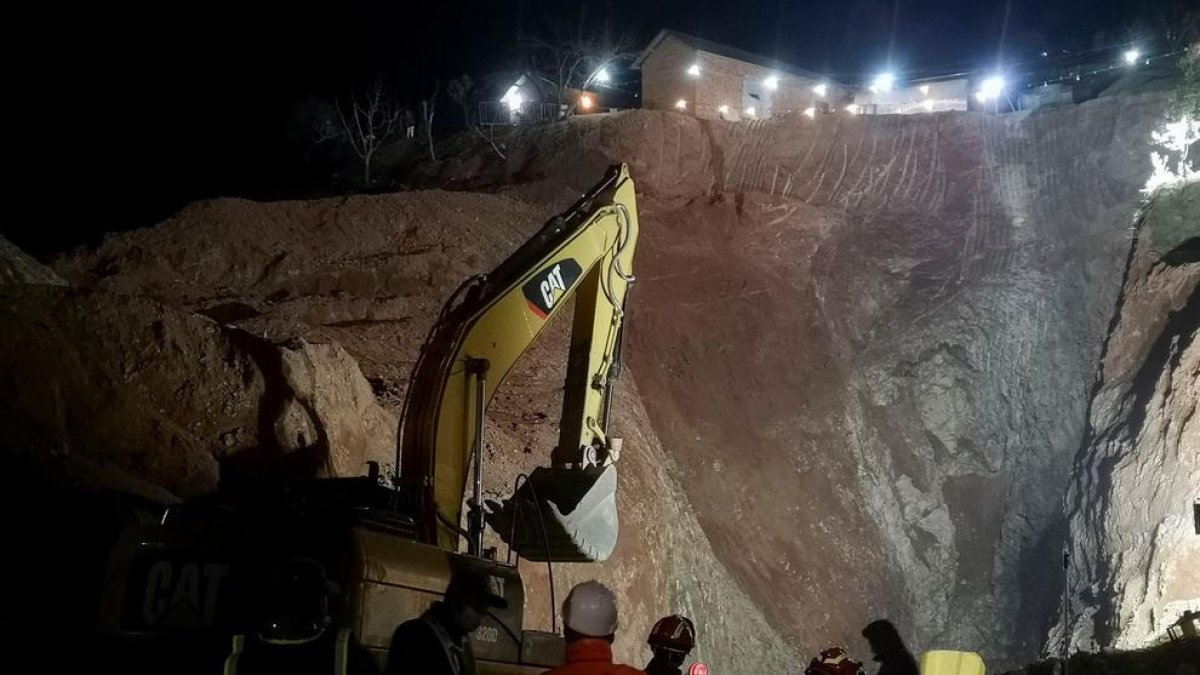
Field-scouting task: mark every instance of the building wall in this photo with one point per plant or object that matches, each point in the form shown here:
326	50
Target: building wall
1045	96
664	76
723	81
942	95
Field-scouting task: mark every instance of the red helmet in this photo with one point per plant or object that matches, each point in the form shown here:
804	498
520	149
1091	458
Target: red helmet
834	661
676	633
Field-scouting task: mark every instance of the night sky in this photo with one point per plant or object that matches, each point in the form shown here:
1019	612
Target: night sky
121	115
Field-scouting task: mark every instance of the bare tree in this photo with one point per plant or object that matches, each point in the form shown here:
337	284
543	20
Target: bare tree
365	124
459	90
427	107
573	56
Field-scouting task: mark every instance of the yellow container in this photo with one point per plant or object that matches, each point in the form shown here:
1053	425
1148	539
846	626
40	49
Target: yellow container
942	662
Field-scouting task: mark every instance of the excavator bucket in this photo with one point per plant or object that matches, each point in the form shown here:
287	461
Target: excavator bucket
560	515
943	662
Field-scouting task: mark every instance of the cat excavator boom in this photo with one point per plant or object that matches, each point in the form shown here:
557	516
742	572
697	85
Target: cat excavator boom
585	253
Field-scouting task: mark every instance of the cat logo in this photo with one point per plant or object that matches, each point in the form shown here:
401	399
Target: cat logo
182	594
547	287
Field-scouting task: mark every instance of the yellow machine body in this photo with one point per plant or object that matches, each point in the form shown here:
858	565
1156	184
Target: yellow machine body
944	662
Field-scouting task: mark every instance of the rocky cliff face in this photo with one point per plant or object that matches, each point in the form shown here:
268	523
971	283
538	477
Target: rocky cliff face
975	323
861	351
1135	555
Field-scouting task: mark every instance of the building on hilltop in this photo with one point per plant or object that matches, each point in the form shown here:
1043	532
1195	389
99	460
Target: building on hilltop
707	79
922	96
530	98
526	98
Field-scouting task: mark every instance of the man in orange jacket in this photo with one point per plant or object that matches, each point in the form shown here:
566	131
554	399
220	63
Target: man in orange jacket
590	618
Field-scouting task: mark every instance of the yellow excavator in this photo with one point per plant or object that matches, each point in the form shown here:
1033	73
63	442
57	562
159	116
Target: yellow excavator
389	544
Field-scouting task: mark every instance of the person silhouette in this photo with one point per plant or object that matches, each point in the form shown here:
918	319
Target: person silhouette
893	657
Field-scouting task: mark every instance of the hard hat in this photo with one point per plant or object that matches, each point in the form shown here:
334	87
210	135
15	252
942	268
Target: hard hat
591	610
676	633
833	661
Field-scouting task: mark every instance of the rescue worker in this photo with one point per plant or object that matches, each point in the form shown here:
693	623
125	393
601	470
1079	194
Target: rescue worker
436	642
893	657
833	661
296	635
590	626
671	640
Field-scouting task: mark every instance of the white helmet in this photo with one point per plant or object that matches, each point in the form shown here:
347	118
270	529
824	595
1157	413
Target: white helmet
591	610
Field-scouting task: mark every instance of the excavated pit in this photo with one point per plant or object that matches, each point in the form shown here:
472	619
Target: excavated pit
861	355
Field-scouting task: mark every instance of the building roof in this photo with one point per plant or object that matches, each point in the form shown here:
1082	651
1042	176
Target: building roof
711	47
531	82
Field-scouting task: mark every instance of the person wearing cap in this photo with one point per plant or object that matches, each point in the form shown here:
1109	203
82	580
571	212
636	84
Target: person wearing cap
436	643
671	641
590	626
833	661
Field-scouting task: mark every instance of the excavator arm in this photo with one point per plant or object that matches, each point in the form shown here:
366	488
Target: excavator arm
484	329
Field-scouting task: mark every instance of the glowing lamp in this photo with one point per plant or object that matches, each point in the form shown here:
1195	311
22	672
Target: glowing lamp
1131	56
821	89
990	89
772	82
724	110
925	89
585	102
602	75
811	112
694	70
885	82
513	99
852	109
750	111
681	104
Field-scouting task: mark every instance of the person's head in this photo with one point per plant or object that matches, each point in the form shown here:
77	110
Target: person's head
469	597
590	612
884	638
297	604
833	661
672	639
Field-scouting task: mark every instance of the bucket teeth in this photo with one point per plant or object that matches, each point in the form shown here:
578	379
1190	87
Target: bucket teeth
578	510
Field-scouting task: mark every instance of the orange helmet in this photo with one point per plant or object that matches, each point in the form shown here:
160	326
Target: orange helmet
834	661
676	633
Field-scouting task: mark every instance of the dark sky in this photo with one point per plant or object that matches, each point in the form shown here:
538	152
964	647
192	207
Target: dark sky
119	115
